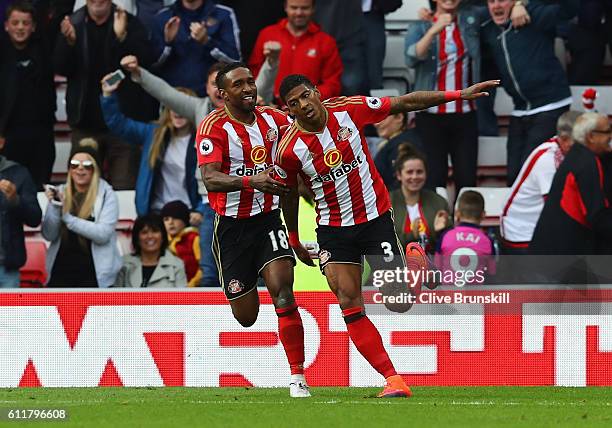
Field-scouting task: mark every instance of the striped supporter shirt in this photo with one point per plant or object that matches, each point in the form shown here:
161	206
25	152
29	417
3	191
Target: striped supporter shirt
243	150
336	163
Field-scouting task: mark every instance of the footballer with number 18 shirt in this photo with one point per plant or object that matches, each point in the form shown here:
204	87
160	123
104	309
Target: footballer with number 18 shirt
326	147
235	147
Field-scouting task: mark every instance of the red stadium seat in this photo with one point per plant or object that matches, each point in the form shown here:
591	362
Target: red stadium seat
33	273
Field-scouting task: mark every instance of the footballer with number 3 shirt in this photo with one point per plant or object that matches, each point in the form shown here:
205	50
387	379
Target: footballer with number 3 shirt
235	146
326	147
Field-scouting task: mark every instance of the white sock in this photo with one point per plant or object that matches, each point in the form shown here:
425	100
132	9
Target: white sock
298	378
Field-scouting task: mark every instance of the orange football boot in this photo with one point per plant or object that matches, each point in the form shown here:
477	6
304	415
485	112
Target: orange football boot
395	387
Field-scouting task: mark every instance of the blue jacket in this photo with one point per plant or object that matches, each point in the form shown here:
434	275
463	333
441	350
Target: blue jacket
14	216
426	69
141	134
185	62
525	57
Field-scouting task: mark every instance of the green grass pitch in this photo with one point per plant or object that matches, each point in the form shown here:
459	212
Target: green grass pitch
336	407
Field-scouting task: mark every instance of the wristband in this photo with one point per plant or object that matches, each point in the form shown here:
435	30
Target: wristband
245	182
452	95
294	239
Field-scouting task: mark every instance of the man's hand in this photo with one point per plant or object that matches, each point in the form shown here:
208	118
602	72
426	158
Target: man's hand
271	50
68	31
265	183
519	16
302	253
443	20
9	190
195	218
478	90
171	29
120	24
199	32
130	64
107	89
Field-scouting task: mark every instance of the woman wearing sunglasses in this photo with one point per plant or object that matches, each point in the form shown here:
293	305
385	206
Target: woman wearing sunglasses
80	222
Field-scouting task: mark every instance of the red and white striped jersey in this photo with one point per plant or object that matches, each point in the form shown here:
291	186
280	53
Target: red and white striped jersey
243	150
336	163
529	190
454	69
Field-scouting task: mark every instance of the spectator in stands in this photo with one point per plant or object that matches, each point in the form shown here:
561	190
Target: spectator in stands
394	131
445	54
577	218
18	206
92	42
27	95
80	222
183	240
466	247
531	187
530	72
304	48
420	214
587	41
168	165
195	109
252	19
190	36
151	265
343	20
374	12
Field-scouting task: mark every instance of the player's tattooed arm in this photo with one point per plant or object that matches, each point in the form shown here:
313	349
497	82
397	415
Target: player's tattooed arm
217	181
420	100
290	205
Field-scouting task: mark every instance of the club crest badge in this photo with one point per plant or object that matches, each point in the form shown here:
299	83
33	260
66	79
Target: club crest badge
206	147
374	103
235	286
259	154
272	135
344	133
332	158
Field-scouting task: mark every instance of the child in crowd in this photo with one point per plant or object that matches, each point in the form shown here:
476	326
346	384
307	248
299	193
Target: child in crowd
466	247
183	241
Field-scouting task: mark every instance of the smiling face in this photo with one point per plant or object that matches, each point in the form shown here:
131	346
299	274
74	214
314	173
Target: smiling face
81	171
150	240
447	6
305	105
239	90
500	10
178	122
19	27
598	140
412	175
299	13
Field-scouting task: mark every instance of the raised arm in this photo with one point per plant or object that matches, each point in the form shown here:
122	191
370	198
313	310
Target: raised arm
421	100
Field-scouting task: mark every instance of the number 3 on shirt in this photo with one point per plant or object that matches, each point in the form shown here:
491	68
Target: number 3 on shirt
282	239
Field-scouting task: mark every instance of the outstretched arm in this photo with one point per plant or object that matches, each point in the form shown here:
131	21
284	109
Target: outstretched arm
421	100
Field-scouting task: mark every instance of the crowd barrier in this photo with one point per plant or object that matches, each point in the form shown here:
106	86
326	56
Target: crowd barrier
509	335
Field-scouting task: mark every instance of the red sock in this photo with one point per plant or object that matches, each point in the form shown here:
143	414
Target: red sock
367	339
291	333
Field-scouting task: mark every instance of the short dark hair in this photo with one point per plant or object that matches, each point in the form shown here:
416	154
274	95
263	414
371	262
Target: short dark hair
220	80
405	152
21	6
471	204
217	66
293	81
154	222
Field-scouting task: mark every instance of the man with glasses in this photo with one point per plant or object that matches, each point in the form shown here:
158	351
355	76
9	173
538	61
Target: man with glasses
577	217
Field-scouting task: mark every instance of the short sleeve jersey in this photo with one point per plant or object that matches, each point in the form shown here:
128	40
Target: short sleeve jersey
242	150
336	163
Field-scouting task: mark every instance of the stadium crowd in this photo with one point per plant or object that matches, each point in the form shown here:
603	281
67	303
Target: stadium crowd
141	77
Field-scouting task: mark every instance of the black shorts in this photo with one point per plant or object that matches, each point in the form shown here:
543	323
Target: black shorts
242	248
375	239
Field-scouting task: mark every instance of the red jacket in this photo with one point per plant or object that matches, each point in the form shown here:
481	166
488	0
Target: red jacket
186	246
314	54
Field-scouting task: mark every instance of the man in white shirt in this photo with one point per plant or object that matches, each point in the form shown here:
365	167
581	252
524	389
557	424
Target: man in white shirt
529	191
